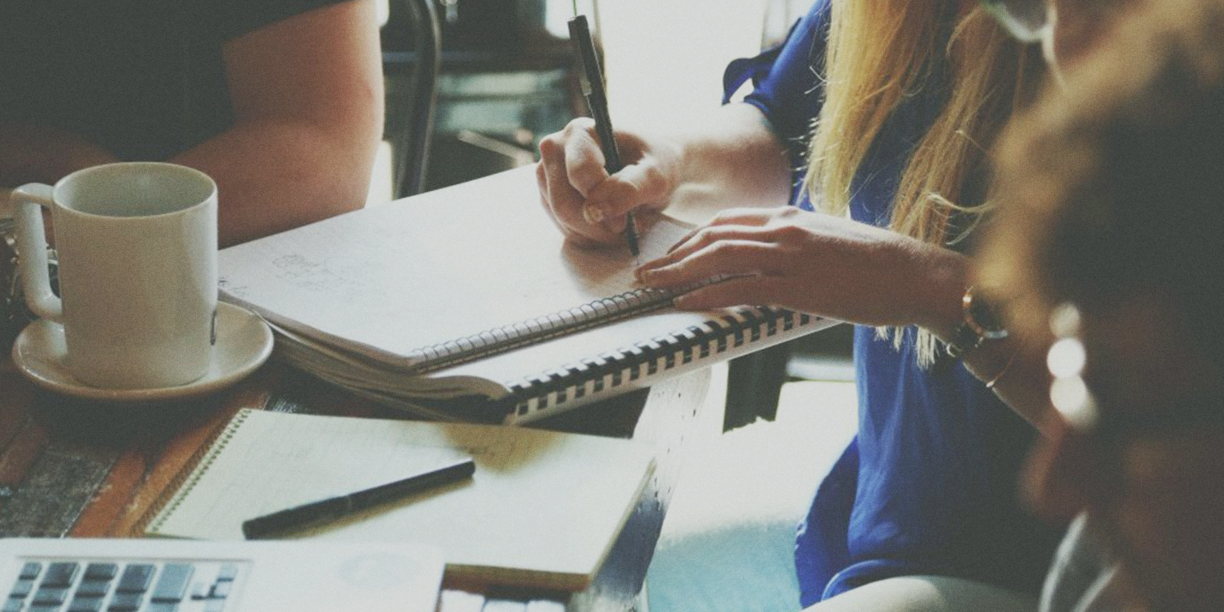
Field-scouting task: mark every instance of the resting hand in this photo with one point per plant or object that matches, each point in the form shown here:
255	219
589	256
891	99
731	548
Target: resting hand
814	263
586	203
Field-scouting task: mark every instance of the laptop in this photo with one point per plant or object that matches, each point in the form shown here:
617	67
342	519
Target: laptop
156	575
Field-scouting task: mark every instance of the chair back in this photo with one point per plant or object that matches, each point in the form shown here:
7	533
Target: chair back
412	61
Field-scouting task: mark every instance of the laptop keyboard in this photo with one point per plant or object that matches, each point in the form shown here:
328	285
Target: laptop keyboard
130	585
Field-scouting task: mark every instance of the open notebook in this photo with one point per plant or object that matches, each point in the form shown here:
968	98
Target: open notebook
472	292
542	509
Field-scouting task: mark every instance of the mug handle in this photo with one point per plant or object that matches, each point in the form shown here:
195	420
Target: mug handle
28	202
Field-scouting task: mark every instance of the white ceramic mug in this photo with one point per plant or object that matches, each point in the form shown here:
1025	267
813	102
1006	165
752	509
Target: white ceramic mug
137	246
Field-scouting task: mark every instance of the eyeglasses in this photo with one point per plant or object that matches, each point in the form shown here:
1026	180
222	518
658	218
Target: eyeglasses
1078	407
1027	20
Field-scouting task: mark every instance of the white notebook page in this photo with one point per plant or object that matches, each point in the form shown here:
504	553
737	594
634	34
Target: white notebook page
542	508
369	279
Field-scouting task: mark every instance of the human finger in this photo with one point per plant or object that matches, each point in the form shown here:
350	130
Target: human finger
754	217
702	238
634	186
564	204
735	291
725	257
584	159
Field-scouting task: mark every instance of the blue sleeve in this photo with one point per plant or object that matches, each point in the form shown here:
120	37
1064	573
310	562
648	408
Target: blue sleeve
788	87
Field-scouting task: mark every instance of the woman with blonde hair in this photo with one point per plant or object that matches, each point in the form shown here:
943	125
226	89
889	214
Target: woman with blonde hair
879	114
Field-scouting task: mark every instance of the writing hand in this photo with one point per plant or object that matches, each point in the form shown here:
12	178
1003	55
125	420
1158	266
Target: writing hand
586	203
814	263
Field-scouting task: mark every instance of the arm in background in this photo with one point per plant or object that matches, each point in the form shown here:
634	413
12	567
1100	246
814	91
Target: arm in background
308	104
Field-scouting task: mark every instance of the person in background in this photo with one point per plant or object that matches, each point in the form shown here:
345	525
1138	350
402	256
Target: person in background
882	112
906	99
1109	242
280	102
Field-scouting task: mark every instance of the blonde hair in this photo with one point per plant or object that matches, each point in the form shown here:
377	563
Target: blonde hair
879	53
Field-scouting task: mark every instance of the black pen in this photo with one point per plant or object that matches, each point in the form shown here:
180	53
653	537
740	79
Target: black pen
597	101
269	525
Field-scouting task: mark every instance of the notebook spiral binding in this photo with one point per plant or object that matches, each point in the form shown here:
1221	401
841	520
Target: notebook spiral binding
528	332
178	488
609	370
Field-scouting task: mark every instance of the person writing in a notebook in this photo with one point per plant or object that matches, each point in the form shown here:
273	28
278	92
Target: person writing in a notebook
280	102
906	99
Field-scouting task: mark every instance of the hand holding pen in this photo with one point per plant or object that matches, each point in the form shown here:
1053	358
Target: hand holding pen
597	101
588	202
585	201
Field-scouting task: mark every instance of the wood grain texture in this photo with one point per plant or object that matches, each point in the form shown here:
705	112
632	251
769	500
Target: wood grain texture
84	469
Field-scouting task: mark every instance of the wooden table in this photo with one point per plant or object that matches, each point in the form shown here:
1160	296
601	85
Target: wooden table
73	468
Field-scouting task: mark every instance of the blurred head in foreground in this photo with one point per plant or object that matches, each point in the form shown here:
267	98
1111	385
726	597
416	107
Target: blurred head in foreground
1110	241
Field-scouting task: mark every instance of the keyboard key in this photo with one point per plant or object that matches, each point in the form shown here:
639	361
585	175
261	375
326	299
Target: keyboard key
85	604
13	605
222	589
50	596
22	588
136	578
30	570
101	571
214	605
200	590
93	588
228	571
60	574
172	585
162	607
125	602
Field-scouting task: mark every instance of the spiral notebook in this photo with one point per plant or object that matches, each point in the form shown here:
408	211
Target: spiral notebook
468	303
542	510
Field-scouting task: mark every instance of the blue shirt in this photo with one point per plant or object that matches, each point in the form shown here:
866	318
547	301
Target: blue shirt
929	484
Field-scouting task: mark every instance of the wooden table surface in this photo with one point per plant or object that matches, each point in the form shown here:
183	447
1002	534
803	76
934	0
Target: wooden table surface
74	468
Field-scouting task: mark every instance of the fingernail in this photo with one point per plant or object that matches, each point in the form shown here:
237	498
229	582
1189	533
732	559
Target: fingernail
593	214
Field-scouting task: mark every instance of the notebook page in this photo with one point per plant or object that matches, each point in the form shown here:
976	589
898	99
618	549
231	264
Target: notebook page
542	508
369	280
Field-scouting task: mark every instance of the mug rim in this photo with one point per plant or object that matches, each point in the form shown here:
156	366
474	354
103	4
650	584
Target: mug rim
80	174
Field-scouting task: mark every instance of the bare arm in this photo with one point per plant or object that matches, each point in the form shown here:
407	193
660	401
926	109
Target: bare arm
307	97
846	270
308	105
805	261
1016	368
36	154
739	164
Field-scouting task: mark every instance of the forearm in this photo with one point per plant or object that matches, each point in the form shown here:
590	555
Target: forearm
741	163
275	176
307	96
1021	377
1016	370
37	154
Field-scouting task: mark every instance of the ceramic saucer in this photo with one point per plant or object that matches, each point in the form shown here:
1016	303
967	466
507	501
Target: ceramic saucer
244	342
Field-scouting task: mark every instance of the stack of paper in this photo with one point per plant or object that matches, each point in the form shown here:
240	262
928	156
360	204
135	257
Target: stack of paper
468	303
